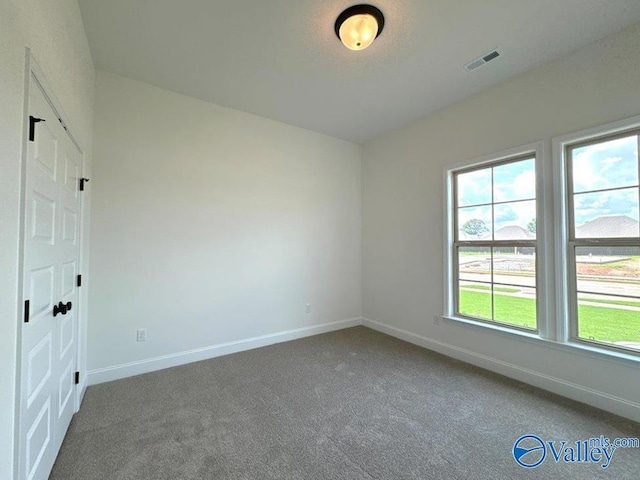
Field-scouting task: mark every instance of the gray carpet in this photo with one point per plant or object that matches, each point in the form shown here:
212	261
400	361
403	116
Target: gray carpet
353	404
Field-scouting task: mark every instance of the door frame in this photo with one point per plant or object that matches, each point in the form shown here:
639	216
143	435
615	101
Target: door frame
35	78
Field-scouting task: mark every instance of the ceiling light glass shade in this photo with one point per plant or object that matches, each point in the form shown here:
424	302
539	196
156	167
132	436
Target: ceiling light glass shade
359	31
358	26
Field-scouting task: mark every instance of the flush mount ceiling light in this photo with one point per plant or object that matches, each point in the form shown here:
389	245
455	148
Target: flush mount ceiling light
358	26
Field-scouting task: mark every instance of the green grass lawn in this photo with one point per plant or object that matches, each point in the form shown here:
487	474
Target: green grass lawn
598	323
608	324
512	310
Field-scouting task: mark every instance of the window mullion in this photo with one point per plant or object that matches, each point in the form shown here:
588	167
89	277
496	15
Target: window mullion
544	266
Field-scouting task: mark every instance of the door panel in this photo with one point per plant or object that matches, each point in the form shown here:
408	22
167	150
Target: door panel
40	292
65	389
38	442
69	257
42	288
52	255
66	334
71	175
42	228
39	366
68	278
69	227
46	145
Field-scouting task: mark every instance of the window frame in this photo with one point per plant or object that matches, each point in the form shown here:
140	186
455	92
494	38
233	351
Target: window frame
557	319
562	147
452	242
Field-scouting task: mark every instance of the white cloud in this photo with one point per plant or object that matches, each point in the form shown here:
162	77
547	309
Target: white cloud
608	164
525	184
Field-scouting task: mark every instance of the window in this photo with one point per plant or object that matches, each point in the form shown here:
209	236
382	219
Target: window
604	240
495	242
549	248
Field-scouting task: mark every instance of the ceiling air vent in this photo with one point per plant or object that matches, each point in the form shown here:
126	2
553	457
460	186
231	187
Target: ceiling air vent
478	62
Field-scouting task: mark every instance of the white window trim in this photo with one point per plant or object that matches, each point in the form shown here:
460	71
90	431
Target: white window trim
537	150
565	307
552	233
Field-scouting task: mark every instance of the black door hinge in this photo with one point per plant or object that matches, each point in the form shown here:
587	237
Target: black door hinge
79	281
77	378
26	311
82	182
32	127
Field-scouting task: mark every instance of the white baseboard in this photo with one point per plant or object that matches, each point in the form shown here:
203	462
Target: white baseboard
598	399
124	370
595	398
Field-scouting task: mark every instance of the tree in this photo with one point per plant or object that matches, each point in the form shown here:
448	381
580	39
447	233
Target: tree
531	226
475	227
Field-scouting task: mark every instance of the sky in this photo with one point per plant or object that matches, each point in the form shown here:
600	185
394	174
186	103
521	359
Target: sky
513	183
612	164
606	165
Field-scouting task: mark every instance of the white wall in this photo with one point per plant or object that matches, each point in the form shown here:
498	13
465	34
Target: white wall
53	30
403	210
211	226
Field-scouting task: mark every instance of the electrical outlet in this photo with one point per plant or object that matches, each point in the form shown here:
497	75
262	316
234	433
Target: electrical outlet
308	308
436	319
141	335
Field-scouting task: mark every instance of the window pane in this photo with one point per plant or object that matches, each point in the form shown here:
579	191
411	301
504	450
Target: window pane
502	197
474	223
609	270
609	295
607	214
607	319
474	263
474	188
515	221
514	266
514	181
515	305
509	296
610	164
474	300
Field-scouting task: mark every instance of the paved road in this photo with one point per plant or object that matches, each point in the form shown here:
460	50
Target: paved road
601	287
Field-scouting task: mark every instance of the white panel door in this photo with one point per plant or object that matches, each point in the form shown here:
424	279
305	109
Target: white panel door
51	257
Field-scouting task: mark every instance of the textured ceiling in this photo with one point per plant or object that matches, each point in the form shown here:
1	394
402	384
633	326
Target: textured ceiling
280	59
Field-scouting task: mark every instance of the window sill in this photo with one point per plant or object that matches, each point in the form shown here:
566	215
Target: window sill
572	347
